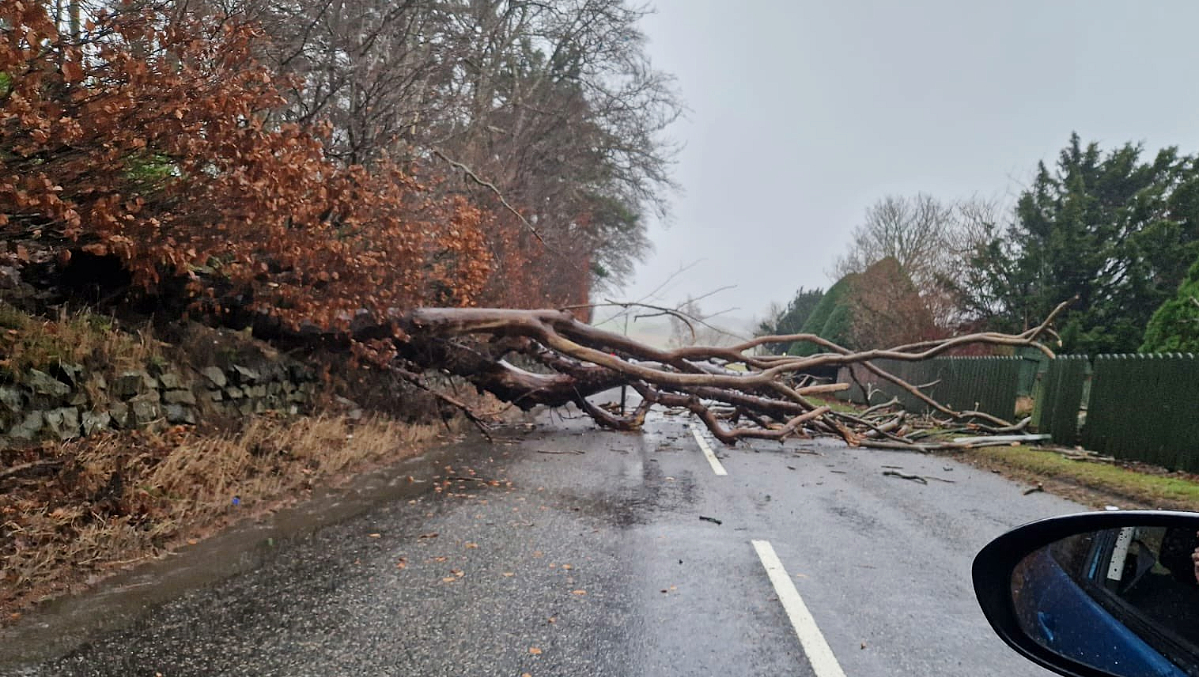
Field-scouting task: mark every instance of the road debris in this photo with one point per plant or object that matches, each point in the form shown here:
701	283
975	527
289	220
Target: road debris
905	476
713	520
1001	439
922	479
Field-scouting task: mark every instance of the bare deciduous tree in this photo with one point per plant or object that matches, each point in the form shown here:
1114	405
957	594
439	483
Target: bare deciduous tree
932	240
915	231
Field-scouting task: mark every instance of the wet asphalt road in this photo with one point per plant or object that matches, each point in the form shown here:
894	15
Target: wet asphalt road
589	558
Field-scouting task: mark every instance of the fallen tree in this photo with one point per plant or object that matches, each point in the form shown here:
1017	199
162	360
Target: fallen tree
737	395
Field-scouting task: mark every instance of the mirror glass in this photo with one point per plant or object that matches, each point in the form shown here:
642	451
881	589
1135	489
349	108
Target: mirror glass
1125	601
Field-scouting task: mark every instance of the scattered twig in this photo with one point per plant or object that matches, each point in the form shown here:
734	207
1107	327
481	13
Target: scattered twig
419	381
496	191
713	520
544	451
905	476
24	467
870	410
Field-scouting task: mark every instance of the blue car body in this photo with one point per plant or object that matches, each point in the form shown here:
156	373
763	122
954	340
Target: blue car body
1103	642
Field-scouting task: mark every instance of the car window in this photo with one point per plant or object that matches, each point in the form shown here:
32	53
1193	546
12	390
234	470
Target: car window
1146	578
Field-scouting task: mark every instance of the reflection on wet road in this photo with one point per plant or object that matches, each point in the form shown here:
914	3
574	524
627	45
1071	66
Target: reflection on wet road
570	551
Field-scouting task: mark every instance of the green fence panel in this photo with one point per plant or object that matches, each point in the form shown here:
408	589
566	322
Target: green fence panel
1032	364
986	384
1144	408
1137	407
1059	400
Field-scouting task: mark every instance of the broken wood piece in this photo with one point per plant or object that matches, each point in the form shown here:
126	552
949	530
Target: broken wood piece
1002	439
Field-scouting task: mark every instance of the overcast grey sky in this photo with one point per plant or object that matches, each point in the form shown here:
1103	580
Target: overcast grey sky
803	113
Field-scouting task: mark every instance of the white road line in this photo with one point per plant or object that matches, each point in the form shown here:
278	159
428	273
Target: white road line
820	655
703	444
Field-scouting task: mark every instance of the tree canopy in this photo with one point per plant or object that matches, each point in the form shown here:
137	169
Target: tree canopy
1174	327
1113	230
791	319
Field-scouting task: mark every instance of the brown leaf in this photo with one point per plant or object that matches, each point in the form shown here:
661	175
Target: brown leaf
535	651
578	592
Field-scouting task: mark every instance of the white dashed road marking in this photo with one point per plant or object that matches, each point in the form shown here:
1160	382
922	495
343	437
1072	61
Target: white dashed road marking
820	655
703	444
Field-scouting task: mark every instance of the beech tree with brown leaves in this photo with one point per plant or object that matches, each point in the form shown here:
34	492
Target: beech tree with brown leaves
150	143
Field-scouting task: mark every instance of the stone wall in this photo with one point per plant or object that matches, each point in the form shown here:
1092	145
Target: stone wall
66	401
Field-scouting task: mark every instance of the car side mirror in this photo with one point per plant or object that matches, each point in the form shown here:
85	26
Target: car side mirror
1097	594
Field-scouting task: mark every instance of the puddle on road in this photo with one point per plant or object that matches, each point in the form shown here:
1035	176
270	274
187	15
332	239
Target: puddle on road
63	625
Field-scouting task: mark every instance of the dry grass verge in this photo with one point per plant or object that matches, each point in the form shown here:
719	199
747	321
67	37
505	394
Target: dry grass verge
76	337
70	513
